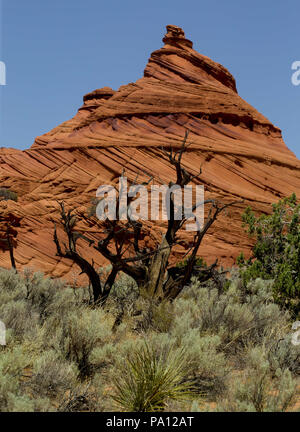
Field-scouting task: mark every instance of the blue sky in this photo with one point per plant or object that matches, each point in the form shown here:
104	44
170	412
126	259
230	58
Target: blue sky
56	51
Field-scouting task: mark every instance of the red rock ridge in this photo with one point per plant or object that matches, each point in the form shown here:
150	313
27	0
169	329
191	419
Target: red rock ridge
241	153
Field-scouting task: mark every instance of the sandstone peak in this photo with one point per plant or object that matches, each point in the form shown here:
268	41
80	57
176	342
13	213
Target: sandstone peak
178	61
242	154
175	36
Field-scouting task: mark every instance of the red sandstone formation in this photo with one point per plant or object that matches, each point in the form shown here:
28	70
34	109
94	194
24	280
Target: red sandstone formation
243	156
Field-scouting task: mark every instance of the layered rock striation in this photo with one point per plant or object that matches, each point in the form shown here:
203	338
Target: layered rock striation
242	155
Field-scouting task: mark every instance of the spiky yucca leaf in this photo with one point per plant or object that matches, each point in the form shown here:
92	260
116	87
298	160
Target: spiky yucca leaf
148	379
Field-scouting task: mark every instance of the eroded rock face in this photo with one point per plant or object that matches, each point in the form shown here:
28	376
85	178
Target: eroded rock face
9	224
243	156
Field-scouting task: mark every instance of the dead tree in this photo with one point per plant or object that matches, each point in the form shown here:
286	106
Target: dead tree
68	221
8	235
123	247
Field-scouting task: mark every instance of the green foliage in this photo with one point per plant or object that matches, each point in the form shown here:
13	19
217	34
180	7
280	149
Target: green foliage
282	354
80	334
256	390
52	375
162	316
7	194
276	253
239	316
12	372
153	315
209	367
147	380
63	354
200	262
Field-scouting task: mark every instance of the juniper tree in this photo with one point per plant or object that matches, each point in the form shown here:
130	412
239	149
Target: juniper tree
276	252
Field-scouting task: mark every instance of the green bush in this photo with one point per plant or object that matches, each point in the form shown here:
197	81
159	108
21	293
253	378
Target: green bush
256	390
81	333
282	354
200	262
12	365
52	375
7	194
209	367
152	315
237	317
26	300
276	253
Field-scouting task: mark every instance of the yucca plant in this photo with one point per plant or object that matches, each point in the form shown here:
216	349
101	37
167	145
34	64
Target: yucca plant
147	379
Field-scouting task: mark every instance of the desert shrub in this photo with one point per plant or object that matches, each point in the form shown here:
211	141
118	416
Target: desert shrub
282	354
24	403
15	311
19	317
237	318
19	403
144	315
209	368
124	289
123	297
6	194
276	253
63	302
41	292
200	262
12	365
52	375
80	399
152	315
146	380
162	317
226	342
107	355
26	300
255	390
104	356
11	286
81	332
